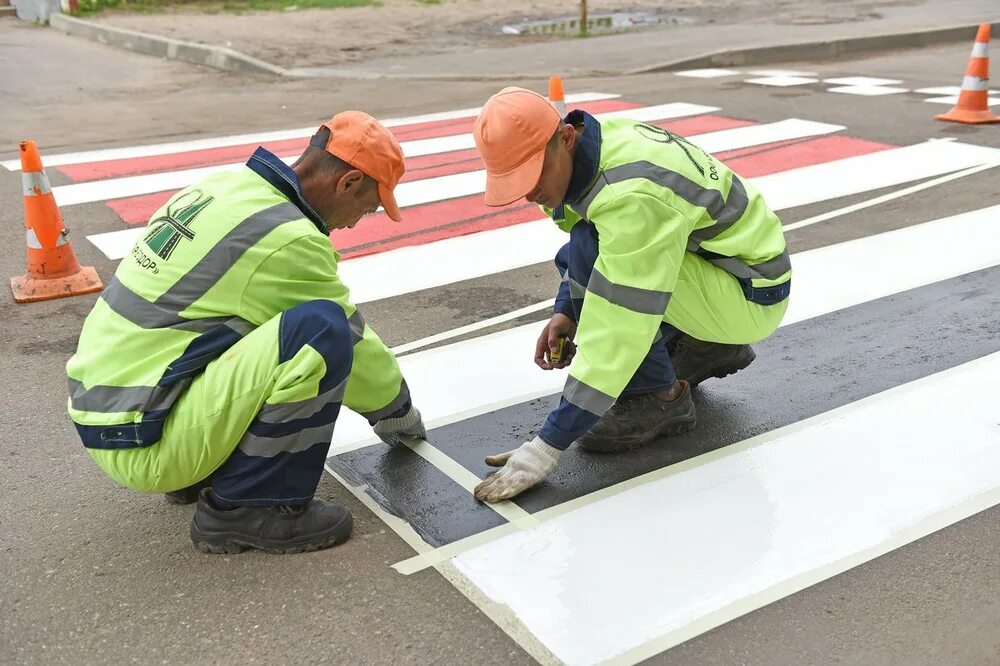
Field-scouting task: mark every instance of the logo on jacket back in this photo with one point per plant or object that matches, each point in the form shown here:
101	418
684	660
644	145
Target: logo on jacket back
166	231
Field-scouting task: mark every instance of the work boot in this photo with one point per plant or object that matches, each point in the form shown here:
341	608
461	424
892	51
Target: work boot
275	529
188	495
637	420
695	361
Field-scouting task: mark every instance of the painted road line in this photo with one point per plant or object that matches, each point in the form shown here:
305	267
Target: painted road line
808	349
472	328
130	186
501	616
260	137
867	91
757	521
855	175
826	279
898	194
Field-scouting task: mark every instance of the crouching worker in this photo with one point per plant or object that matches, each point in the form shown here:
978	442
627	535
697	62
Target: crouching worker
674	266
215	363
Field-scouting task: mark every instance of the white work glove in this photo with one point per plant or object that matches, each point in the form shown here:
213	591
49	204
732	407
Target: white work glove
409	424
523	467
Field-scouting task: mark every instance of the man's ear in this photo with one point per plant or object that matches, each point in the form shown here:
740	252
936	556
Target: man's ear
567	136
351	182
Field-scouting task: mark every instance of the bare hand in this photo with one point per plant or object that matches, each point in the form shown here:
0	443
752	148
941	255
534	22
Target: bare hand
558	332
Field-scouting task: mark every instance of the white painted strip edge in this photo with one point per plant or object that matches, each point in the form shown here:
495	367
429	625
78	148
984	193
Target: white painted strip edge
502	616
471	328
467	480
150	150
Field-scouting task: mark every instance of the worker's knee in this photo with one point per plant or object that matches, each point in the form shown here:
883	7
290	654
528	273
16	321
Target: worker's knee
322	325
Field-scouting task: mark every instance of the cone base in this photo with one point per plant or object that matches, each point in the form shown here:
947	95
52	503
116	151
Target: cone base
28	289
957	115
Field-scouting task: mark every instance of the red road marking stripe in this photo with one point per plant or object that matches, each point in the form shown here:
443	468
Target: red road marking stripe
287	148
764	160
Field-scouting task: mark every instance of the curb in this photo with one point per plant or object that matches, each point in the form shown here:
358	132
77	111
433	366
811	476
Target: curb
822	50
228	59
164	47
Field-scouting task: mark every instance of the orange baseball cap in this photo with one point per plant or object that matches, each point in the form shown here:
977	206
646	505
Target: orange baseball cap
369	147
511	132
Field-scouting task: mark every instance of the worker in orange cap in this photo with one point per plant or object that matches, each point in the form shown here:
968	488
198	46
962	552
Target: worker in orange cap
674	266
214	365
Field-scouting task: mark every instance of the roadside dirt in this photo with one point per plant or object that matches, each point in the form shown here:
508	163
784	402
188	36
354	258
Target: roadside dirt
401	28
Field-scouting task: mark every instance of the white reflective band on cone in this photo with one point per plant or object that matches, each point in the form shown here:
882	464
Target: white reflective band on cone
974	83
979	50
34	183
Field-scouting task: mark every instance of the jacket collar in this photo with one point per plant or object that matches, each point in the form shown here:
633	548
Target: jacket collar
586	159
281	176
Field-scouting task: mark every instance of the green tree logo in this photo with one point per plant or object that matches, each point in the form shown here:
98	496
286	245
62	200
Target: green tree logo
166	231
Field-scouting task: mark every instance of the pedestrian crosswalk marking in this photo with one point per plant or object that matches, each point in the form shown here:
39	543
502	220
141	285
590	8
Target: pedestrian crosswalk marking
766	517
826	279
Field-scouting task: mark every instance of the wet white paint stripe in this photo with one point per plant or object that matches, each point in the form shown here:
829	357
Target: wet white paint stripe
722	534
410	193
130	152
826	280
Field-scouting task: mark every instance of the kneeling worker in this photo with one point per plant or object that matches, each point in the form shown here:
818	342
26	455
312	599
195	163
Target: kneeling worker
215	363
673	267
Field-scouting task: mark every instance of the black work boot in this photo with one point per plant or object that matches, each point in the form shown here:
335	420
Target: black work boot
695	361
637	420
188	495
275	529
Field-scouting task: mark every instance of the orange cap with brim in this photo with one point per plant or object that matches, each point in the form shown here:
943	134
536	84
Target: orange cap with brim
511	133
369	147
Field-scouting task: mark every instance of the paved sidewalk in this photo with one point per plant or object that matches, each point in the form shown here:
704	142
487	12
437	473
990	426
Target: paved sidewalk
919	23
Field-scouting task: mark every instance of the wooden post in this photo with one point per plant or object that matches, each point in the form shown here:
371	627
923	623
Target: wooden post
583	18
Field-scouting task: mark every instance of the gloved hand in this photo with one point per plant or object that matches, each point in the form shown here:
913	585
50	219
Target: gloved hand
410	424
523	467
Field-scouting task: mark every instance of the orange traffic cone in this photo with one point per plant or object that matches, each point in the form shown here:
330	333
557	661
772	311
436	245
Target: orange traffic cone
53	270
972	107
557	95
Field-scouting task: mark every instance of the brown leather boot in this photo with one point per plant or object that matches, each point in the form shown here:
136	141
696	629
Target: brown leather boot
695	361
637	420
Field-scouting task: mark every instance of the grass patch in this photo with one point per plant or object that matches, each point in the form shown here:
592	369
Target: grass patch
213	6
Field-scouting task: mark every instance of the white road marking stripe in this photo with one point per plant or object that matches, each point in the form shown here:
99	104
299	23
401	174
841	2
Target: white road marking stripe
868	91
826	280
862	81
709	73
792	507
501	616
782	81
780	72
129	186
108	154
898	194
951	100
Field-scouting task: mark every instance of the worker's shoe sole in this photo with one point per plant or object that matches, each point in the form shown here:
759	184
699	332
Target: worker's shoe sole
280	530
695	361
187	495
637	420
